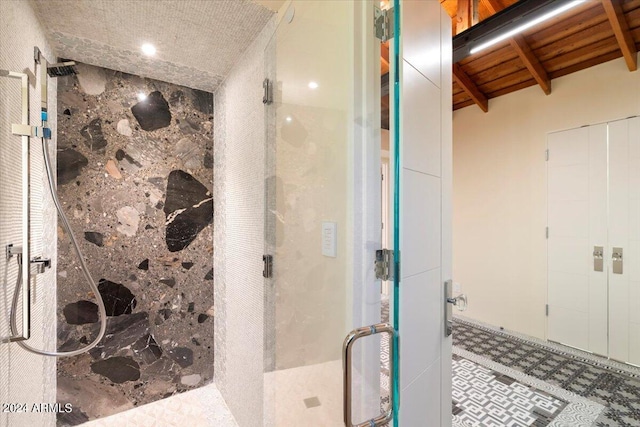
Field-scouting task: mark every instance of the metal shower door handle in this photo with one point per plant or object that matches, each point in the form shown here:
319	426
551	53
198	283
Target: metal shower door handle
347	349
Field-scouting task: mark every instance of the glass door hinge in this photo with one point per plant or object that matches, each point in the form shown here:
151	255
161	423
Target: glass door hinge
383	21
384	264
267	98
267	269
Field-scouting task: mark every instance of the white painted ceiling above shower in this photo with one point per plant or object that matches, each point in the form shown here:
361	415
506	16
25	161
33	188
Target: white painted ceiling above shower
197	41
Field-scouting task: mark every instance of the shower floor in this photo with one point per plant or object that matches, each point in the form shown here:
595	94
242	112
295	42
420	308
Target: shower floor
202	407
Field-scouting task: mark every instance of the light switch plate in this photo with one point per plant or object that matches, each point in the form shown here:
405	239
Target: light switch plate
329	239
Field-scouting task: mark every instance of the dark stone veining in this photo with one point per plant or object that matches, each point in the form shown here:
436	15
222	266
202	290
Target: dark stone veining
117	298
153	112
93	136
188	207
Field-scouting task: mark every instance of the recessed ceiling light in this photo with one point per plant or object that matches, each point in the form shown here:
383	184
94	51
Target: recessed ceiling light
288	119
313	85
142	96
148	49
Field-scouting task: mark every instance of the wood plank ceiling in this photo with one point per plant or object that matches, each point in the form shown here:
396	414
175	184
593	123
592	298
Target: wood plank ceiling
590	34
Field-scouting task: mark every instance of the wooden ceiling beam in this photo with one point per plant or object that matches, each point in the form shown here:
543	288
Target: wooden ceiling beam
460	77
463	16
492	6
615	14
522	48
531	62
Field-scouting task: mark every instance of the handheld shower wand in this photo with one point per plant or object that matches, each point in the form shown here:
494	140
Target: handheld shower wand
56	70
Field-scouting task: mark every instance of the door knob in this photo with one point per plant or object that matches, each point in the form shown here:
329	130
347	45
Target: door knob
460	302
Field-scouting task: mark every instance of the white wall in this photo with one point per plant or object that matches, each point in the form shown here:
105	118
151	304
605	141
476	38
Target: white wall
239	171
499	188
24	377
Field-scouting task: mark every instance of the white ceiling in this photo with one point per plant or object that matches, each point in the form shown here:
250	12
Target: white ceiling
197	41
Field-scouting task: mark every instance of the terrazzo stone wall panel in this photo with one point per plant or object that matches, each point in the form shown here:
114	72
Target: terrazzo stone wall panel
135	179
26	378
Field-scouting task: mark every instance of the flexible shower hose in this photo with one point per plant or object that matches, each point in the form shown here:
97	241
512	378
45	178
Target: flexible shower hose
85	271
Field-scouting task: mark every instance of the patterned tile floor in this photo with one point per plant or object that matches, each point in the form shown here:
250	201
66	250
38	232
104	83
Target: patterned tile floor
565	387
485	398
617	389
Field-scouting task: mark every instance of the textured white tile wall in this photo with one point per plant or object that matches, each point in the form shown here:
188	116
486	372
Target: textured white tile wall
239	215
25	378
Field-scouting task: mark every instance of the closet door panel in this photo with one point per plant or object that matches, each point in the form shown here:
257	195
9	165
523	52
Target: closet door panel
568	255
619	238
597	235
577	218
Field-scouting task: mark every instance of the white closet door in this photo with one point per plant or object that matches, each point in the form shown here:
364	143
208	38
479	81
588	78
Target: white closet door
577	223
624	233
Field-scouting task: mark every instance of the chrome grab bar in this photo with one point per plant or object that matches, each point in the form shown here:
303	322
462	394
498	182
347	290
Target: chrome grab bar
23	252
347	349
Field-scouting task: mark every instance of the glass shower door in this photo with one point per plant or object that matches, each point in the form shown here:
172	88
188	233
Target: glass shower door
323	217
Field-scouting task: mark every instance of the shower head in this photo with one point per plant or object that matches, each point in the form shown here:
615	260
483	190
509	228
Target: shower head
62	69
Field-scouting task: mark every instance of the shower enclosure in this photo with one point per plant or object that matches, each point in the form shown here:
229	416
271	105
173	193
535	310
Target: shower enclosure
321	220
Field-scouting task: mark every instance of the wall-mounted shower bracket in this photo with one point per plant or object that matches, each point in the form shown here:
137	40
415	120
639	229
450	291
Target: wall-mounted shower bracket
13	250
31	131
42	264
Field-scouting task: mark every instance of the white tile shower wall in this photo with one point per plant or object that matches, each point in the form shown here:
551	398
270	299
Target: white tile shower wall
239	234
24	377
425	206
